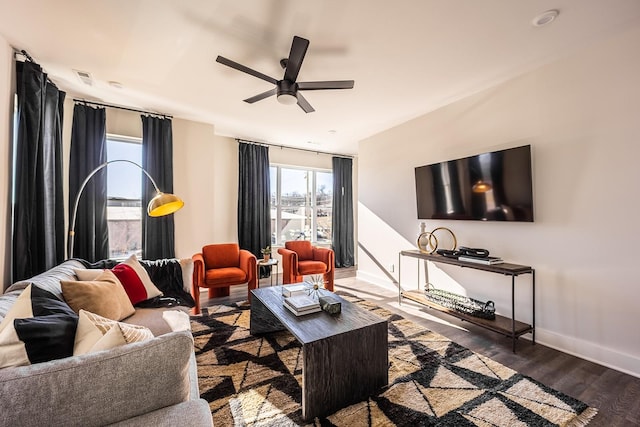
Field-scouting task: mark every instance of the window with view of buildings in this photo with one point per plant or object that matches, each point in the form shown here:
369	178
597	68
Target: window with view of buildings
301	204
124	197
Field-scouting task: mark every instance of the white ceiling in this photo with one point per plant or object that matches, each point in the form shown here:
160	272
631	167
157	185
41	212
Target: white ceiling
407	57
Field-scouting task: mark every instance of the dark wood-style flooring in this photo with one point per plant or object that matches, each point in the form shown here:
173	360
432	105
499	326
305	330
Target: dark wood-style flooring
616	395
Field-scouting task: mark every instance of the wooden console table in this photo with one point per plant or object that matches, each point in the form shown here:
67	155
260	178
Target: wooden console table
507	326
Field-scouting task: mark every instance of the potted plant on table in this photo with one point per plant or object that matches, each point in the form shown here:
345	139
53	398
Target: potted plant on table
266	253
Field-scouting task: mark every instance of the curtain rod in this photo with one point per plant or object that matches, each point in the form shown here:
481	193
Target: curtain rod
101	104
29	58
295	148
25	54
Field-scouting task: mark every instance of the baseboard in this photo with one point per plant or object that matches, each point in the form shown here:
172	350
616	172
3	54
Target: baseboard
383	282
626	363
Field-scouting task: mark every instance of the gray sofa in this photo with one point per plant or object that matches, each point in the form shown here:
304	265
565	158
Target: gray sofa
150	383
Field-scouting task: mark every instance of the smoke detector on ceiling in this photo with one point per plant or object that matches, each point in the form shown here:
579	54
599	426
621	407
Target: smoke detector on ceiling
545	18
85	77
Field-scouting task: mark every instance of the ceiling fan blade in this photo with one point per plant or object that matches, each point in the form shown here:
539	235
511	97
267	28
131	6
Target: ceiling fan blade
304	104
240	67
339	84
296	55
262	95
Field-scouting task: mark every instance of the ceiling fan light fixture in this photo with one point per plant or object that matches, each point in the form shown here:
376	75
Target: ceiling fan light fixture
287	99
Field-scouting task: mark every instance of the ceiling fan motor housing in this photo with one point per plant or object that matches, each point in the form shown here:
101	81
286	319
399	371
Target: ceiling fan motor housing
287	92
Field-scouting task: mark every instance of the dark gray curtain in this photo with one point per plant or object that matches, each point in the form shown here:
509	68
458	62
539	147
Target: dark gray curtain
38	204
342	222
158	234
254	207
88	151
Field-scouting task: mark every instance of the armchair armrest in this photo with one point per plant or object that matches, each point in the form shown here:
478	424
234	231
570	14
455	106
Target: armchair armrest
325	255
198	269
248	264
289	265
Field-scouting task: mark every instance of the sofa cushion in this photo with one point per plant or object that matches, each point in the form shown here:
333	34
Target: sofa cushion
104	296
38	328
96	333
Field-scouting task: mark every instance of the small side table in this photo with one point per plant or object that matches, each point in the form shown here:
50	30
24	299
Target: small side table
269	263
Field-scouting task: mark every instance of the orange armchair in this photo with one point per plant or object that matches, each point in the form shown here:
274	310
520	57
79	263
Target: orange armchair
219	266
299	258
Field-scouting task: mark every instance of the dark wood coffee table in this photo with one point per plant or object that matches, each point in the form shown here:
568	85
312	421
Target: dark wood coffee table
345	356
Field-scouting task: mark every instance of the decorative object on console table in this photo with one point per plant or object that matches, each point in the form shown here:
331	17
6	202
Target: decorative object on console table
461	303
428	241
162	204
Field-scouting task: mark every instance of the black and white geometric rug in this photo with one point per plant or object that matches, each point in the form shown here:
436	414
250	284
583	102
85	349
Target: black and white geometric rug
256	381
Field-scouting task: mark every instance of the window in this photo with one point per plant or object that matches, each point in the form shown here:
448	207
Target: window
301	204
124	197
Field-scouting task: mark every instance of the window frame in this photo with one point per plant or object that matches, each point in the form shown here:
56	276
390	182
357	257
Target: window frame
310	201
128	140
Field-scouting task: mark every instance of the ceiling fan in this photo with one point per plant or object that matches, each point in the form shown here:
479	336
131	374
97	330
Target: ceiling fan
287	89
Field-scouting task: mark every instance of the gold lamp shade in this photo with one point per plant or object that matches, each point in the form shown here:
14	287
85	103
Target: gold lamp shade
164	204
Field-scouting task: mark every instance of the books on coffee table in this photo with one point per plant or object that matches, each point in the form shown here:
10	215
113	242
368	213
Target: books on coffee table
301	305
295	289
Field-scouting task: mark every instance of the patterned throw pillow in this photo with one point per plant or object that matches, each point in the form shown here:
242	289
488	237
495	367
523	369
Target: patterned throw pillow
96	333
38	328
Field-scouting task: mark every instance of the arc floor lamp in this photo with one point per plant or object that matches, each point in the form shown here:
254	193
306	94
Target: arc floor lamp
160	205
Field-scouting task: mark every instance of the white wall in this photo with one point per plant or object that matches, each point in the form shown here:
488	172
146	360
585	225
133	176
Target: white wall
6	130
581	116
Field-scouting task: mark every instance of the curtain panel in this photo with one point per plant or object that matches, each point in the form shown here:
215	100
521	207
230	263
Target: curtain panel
38	204
158	234
342	220
254	206
88	151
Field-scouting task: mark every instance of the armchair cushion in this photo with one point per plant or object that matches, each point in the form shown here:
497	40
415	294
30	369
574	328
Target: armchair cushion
225	276
311	267
221	255
302	247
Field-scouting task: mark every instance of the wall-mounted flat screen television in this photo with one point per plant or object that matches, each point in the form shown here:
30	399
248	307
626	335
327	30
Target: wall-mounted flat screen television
495	186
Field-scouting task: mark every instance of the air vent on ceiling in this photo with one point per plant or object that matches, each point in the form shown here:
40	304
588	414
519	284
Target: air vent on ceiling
85	77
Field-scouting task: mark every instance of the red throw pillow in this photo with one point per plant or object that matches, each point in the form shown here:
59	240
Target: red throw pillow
131	282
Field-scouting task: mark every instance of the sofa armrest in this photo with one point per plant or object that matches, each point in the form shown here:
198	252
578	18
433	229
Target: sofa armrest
100	388
191	413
